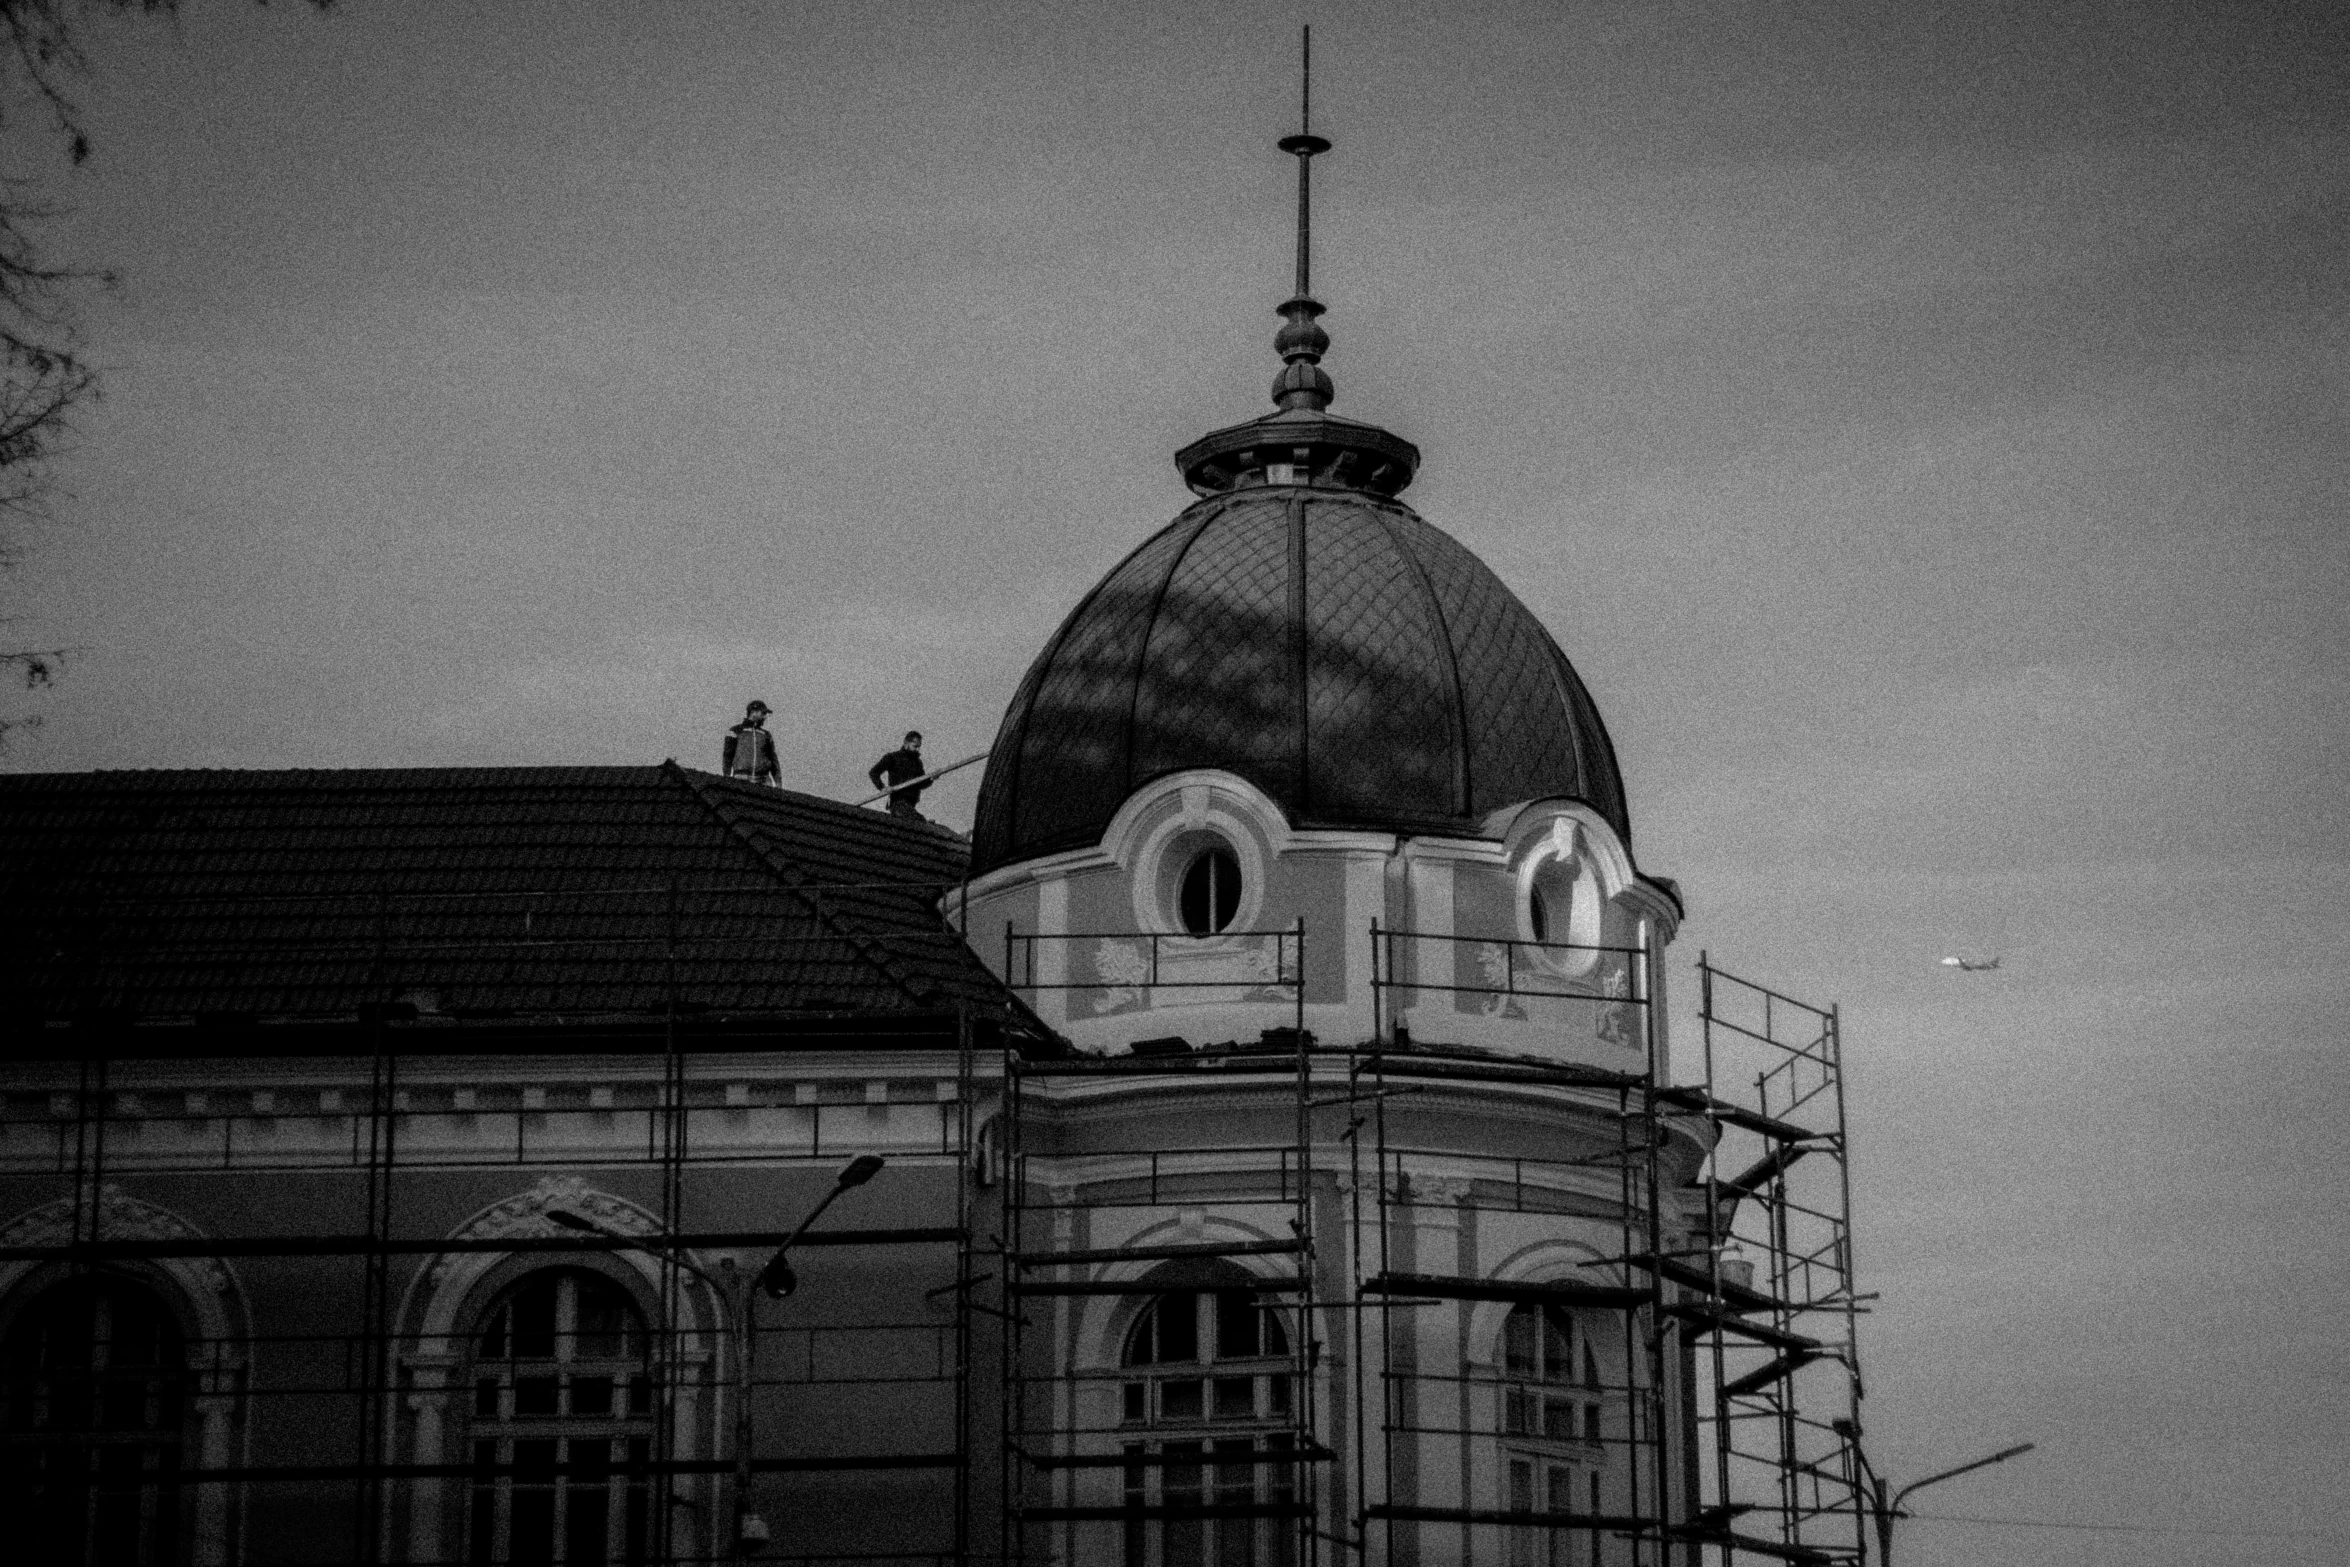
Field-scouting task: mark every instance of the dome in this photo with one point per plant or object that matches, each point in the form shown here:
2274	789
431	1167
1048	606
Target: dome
1302	628
1321	641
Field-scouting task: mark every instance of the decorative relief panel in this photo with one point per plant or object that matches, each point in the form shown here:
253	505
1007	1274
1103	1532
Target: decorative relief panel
110	1213
524	1216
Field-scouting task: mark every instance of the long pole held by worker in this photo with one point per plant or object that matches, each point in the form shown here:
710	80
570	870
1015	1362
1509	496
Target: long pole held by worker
928	777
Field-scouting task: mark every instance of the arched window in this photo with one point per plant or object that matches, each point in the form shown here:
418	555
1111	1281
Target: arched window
1545	1394
1210	895
93	1388
1551	1403
1209	1390
562	1424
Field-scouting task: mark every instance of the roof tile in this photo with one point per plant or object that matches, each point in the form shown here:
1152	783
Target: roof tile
555	891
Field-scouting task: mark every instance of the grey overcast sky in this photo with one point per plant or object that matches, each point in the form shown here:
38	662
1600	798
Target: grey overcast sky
1923	425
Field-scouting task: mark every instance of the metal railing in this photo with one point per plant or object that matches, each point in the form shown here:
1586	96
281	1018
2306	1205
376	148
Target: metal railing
1285	969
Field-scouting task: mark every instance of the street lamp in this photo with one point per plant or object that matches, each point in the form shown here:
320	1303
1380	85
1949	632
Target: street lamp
1884	1507
777	1280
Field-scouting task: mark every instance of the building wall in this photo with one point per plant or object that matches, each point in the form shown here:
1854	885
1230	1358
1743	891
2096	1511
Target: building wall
1503	1185
1097	942
862	1361
910	1368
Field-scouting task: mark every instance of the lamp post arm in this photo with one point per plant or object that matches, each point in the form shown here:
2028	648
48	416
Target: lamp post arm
674	1254
814	1214
1999	1457
776	1278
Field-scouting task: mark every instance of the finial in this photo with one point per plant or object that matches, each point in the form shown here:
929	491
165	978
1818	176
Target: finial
1301	444
1301	344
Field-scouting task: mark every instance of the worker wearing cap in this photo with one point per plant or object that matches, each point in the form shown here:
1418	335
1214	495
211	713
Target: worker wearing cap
900	766
750	749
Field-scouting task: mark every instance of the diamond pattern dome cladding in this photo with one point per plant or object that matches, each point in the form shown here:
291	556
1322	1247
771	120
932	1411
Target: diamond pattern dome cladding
1330	646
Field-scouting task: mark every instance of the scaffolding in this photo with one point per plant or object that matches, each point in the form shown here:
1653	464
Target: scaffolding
306	1407
1108	1460
1775	1304
1608	1429
1713	1404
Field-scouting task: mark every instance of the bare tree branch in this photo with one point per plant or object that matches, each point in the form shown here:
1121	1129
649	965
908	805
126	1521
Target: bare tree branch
43	376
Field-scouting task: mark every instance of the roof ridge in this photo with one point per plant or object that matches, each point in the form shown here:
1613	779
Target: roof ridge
1150	623
796	884
742	796
1464	779
254	776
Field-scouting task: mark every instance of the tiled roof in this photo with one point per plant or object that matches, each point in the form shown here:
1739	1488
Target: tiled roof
1351	660
516	892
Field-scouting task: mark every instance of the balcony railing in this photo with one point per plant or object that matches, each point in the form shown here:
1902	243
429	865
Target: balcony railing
1611	980
1140	959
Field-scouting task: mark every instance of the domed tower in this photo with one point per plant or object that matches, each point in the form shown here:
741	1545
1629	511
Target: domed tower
1301	707
1308	837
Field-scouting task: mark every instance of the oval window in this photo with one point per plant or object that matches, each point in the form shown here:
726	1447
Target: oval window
1563	915
1210	894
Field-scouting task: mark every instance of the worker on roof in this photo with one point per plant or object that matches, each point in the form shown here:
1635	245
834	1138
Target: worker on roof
900	766
750	749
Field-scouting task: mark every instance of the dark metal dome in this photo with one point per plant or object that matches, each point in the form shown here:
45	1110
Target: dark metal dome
1323	642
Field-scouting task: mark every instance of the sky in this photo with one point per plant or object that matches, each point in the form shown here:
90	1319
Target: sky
1926	428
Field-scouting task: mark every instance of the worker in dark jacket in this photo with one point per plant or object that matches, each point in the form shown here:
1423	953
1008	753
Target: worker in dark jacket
750	749
898	767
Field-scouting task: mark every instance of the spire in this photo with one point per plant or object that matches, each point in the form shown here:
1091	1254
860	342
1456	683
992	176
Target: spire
1302	384
1301	442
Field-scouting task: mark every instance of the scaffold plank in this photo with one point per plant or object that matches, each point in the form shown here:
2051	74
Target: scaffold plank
1160	1460
1113	1513
361	1245
1806	1555
1420	1063
1561	1292
1055	1259
1772	1165
1738	1297
1616	1523
1738	1115
1276	1286
1764	1375
257	1474
1282	1059
1724	1322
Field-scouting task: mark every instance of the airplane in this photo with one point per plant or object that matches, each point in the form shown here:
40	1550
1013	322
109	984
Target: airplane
1970	965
